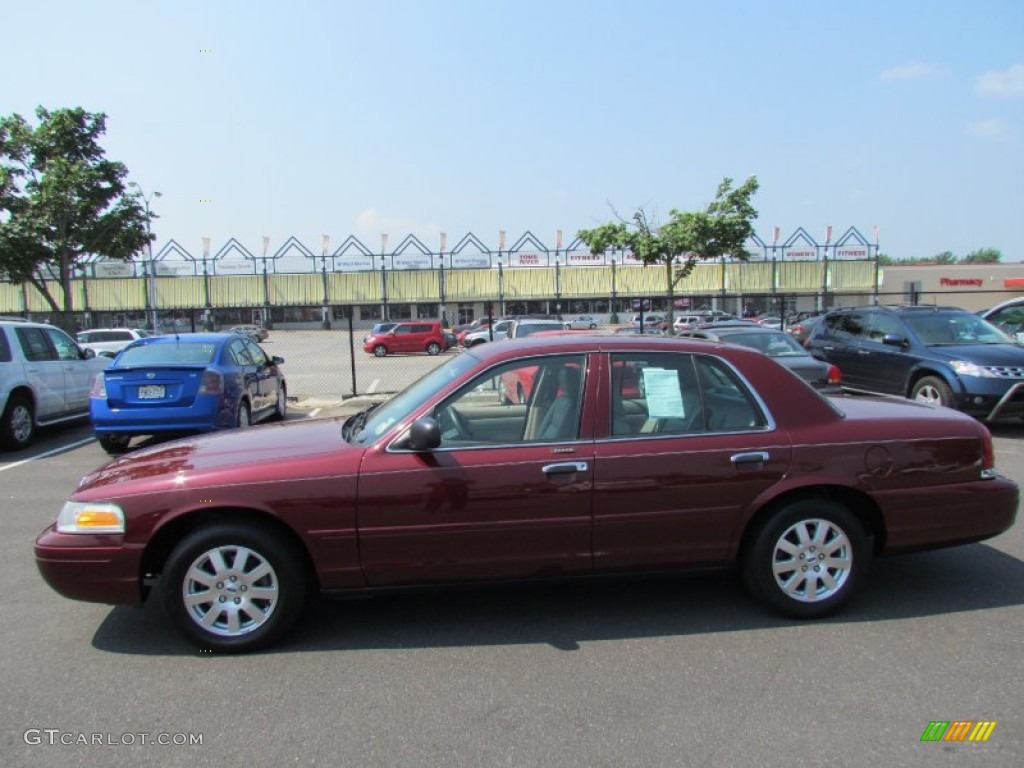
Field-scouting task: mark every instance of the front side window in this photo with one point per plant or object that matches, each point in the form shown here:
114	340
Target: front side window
533	400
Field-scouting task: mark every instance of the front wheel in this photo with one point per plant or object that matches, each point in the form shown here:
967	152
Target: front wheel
932	390
380	350
807	559
281	408
234	588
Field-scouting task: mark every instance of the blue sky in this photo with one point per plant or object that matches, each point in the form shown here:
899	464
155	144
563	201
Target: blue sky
406	116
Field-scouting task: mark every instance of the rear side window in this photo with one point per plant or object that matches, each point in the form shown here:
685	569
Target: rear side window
659	394
5	347
34	345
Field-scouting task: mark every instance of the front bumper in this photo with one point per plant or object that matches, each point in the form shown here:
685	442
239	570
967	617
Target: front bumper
93	568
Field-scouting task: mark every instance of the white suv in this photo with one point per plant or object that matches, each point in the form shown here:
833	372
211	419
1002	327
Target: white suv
45	378
110	340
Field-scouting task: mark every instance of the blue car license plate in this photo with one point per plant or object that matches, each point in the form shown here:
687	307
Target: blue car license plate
151	391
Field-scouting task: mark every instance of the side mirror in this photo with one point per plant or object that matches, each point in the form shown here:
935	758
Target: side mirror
424	434
88	353
277	360
894	340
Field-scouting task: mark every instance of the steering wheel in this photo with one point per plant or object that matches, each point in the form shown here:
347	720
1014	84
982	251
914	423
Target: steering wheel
451	419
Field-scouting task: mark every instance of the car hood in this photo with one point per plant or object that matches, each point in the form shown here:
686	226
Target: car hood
982	354
291	451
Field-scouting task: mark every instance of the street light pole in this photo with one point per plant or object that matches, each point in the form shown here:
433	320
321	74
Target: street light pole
383	277
207	313
267	322
151	272
325	321
441	286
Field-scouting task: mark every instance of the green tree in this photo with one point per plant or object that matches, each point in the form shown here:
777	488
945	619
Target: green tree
61	201
946	257
721	230
983	256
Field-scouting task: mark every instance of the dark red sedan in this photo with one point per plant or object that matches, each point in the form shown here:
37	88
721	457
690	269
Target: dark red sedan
630	454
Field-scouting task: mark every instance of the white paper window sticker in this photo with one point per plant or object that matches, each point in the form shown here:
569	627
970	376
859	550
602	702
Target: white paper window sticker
664	396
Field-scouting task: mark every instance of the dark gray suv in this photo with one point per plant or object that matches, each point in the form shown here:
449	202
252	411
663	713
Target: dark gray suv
939	355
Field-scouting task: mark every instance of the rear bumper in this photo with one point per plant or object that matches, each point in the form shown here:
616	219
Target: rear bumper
204	415
947	515
97	569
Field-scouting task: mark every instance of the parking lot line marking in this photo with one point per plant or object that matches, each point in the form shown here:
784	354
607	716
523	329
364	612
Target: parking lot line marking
62	449
312	414
373	386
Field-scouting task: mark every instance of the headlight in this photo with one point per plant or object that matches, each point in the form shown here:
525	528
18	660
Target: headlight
971	369
90	517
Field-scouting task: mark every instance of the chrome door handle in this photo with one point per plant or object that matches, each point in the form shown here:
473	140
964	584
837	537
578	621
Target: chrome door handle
754	457
564	468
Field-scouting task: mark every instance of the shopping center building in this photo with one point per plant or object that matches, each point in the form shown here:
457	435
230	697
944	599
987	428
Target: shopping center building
297	288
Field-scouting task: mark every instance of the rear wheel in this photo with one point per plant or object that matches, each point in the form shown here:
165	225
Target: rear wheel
807	559
933	391
19	423
244	415
380	350
114	444
433	348
234	588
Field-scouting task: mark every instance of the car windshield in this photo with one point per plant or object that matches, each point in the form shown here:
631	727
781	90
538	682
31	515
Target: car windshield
401	405
950	328
171	353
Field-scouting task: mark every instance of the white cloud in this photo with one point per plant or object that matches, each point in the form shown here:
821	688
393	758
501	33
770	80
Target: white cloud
987	129
912	71
1007	83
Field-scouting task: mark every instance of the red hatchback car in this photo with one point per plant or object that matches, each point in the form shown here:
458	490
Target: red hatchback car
630	454
416	336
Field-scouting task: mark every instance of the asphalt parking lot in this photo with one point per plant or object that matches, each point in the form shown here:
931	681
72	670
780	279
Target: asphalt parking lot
673	671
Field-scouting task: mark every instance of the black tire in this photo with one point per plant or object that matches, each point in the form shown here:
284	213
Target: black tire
433	348
19	423
380	350
784	549
115	445
246	610
281	408
244	415
932	390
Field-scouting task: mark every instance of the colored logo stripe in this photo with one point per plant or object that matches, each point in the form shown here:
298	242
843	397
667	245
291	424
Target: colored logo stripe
958	730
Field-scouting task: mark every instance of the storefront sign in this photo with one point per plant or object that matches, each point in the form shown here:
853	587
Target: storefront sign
357	262
527	260
961	282
470	261
413	260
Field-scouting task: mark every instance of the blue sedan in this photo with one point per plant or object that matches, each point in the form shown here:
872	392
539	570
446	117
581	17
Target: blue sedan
181	384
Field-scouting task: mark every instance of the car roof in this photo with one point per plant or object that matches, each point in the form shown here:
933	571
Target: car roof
580	343
192	338
903	308
1017	302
